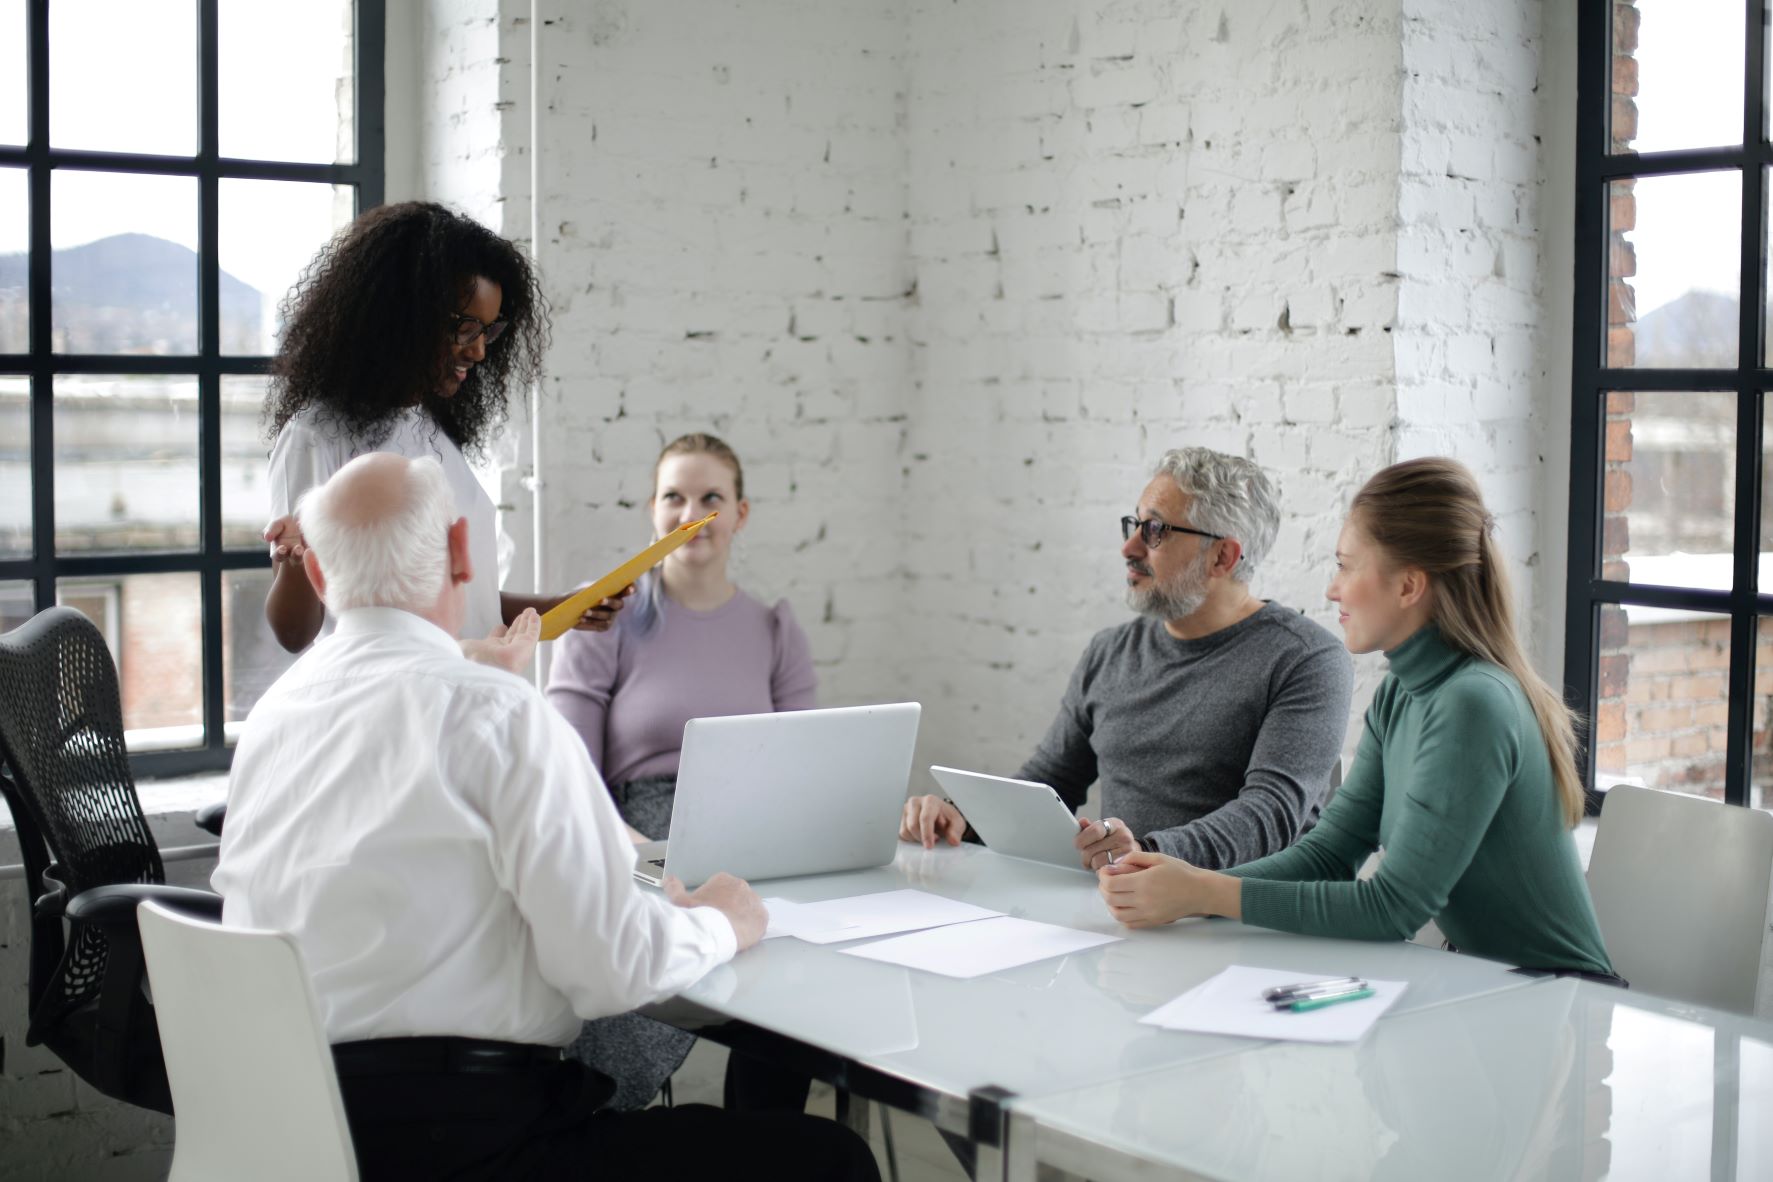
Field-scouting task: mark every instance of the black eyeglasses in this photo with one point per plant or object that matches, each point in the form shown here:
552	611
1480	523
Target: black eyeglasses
468	327
1154	532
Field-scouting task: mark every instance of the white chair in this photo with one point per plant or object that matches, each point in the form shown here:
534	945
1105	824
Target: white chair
254	1091
1680	887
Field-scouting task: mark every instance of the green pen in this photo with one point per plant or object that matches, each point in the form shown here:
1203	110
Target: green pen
1318	1003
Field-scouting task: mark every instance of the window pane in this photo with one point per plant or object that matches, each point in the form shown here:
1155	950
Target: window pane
15	124
15	467
1677	74
1669	488
125	464
15	604
15	241
1674	268
125	263
153	625
270	231
246	497
123	75
251	657
1760	775
287	89
1661	719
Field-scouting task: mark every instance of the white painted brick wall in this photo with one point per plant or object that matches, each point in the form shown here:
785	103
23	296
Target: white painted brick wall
1134	226
1122	227
724	239
1471	357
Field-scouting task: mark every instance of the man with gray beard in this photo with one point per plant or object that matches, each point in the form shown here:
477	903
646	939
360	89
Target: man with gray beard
1213	719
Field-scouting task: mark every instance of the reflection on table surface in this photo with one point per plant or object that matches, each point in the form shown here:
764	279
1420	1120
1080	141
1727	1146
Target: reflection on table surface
1566	1080
1051	1026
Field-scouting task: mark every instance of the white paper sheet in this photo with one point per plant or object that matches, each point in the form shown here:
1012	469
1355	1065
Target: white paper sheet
788	918
861	916
1231	1003
974	949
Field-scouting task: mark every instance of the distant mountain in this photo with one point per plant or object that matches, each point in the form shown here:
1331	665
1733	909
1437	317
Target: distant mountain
129	293
1697	330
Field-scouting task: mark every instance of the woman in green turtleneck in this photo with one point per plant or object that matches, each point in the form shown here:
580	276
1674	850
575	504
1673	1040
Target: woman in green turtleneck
1465	774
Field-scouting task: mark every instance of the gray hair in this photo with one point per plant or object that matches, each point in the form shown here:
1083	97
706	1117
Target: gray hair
400	559
1229	496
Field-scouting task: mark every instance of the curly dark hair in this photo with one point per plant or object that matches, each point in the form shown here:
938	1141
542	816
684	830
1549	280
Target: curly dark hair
366	327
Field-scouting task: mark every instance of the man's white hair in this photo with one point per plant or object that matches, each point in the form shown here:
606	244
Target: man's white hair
1229	496
400	559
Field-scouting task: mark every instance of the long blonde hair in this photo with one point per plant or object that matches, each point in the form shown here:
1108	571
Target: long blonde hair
1430	514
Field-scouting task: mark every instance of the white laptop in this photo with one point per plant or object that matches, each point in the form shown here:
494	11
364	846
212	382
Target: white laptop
1015	817
774	795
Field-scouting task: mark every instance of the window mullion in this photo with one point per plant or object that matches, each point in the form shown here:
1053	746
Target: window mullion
209	337
37	303
1744	624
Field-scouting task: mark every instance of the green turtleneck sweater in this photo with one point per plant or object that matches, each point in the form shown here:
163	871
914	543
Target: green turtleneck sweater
1452	778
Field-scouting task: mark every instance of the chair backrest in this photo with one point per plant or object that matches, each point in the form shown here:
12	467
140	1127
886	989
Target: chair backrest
66	781
1680	886
61	736
254	1090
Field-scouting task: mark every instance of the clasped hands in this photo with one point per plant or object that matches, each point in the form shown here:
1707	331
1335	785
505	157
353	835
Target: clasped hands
1142	889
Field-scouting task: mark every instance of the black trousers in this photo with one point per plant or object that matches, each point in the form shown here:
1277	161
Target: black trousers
757	1085
543	1122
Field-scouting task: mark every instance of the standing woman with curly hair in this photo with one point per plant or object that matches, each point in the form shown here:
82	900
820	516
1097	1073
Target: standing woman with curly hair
406	334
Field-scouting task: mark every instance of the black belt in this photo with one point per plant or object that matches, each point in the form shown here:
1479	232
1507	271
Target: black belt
440	1056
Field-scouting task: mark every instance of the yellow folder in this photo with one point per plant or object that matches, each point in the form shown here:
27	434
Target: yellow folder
566	613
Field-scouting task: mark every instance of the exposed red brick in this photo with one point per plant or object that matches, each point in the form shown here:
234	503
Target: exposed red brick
1621	402
1618	449
1617	484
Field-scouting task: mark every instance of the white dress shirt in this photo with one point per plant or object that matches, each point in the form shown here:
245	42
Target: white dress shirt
310	449
434	837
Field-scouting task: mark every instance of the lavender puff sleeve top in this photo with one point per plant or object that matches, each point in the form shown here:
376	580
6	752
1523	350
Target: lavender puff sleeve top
628	695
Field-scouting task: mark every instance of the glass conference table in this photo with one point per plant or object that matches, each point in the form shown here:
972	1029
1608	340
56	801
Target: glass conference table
963	1053
1566	1080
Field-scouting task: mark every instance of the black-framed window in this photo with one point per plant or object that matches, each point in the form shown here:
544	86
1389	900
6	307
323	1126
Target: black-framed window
167	167
1669	641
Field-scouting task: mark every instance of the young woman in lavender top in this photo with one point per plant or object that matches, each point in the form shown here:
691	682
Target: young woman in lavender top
691	645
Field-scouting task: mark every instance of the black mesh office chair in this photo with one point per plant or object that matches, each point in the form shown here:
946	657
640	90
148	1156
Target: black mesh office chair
88	856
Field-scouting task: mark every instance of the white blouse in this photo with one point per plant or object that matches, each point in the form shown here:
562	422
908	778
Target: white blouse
310	449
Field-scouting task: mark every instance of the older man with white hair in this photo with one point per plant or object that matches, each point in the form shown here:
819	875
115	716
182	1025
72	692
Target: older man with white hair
434	837
1214	718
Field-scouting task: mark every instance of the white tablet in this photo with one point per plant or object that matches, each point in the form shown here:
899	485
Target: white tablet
1015	817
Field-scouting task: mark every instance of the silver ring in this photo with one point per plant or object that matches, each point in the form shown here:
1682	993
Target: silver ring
1107	828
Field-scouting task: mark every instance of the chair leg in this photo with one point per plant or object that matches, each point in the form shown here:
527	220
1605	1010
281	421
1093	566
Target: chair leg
886	1133
853	1112
665	1094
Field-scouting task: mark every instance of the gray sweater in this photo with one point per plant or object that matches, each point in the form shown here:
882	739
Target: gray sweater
1219	749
